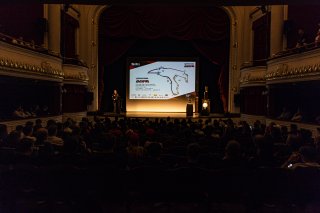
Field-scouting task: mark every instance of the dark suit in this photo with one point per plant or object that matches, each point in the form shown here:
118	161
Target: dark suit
116	103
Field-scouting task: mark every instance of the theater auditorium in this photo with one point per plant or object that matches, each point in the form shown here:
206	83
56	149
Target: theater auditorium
160	106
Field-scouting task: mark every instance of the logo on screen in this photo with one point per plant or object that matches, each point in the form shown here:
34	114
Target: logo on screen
142	81
188	64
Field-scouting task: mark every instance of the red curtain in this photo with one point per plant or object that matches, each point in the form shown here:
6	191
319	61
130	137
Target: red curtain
206	27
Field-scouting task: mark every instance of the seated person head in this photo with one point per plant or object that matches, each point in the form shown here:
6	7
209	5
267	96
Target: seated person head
28	130
52	130
264	146
41	135
294	142
51	122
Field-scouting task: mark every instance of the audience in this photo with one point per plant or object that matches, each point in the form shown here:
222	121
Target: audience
138	142
163	144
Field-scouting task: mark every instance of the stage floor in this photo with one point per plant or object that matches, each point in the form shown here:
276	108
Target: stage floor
163	115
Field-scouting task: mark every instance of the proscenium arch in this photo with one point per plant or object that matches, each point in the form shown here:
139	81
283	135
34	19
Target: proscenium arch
93	45
234	71
226	11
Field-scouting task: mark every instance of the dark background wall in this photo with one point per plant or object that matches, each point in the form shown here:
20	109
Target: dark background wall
302	95
302	16
252	100
23	19
74	98
28	93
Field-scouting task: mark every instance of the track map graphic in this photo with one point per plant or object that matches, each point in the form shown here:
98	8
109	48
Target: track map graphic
173	76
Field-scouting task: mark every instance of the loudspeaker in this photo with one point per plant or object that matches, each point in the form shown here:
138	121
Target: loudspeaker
189	110
89	98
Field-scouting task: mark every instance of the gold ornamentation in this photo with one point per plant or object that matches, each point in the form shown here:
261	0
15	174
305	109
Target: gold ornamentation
282	72
23	67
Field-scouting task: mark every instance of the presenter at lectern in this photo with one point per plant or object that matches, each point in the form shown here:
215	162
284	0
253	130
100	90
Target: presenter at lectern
116	101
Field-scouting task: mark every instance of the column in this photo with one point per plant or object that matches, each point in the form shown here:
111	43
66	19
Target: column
276	31
54	22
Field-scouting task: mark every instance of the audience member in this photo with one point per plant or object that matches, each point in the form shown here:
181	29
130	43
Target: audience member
13	139
193	154
134	150
302	40
44	147
19	129
233	158
264	153
19	113
38	125
52	136
28	133
306	159
297	116
285	114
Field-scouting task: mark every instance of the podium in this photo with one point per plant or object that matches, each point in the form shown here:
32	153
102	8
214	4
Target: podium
189	110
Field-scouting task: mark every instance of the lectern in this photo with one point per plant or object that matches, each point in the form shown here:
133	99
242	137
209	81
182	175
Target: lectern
189	109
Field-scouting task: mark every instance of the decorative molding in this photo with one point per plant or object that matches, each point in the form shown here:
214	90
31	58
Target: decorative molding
301	66
75	74
22	62
45	69
303	72
253	76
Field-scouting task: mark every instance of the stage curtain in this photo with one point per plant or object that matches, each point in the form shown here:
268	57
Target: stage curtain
206	27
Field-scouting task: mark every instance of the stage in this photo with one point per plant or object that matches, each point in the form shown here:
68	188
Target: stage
173	115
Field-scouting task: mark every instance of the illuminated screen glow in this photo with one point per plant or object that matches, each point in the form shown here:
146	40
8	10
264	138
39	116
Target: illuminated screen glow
160	85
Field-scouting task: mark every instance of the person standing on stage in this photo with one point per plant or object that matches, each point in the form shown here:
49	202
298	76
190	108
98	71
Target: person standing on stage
116	101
